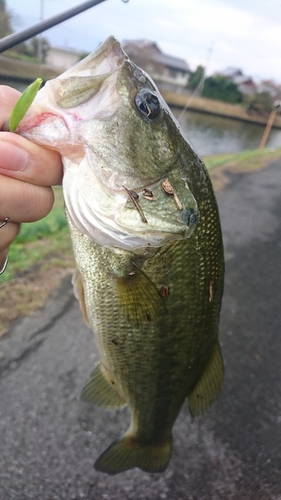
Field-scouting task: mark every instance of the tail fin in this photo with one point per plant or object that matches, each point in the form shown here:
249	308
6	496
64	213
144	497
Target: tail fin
127	453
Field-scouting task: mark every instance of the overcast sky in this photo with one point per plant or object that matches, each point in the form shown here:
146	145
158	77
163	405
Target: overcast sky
216	33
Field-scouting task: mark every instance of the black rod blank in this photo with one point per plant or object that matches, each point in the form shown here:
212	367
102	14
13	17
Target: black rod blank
11	40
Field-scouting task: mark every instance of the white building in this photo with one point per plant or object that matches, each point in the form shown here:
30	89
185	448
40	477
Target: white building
62	59
166	70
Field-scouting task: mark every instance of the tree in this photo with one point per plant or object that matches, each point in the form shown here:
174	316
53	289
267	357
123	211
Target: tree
6	19
222	89
196	77
32	47
260	102
272	88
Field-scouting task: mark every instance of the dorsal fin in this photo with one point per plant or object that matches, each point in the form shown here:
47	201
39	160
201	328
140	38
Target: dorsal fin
209	385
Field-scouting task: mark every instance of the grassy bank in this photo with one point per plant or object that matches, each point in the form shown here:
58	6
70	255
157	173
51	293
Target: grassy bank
39	258
246	161
41	254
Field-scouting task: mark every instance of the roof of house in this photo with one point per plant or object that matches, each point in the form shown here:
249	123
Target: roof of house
149	50
231	72
237	76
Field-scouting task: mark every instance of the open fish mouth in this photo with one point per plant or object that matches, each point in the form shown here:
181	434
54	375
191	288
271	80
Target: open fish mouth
86	92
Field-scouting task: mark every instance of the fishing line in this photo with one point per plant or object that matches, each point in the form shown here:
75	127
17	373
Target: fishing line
200	85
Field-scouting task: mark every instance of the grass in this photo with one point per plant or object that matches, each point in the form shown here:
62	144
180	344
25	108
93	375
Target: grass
41	255
39	240
247	160
39	258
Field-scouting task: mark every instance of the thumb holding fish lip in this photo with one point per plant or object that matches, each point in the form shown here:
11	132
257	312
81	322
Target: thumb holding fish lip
26	173
19	157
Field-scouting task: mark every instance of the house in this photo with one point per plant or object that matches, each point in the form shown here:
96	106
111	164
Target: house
62	59
245	83
167	71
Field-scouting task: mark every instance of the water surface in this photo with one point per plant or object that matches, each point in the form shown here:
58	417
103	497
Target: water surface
209	134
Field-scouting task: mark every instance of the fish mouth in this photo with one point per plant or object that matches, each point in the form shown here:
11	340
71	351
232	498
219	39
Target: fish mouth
108	57
84	81
86	91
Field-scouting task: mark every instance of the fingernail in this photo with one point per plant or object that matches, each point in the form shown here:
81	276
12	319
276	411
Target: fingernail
12	157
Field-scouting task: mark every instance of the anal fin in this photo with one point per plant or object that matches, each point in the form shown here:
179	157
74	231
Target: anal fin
209	385
100	391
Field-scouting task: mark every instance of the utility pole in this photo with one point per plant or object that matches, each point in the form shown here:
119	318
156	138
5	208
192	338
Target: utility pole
269	124
40	38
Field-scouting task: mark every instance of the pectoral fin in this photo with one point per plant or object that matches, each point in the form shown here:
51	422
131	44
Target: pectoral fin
139	299
209	385
79	294
100	391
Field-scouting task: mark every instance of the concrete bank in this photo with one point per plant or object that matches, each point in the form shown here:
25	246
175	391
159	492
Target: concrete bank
219	108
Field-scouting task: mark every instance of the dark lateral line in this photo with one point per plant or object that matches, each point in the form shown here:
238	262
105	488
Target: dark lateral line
15	38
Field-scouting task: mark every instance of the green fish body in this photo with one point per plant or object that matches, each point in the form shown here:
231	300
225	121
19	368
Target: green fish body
147	242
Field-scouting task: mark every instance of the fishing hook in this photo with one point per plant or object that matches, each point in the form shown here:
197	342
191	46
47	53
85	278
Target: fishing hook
5	222
4	266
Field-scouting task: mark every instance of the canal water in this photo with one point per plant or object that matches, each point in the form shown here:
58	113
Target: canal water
210	134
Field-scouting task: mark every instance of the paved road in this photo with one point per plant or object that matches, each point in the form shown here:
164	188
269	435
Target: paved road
50	440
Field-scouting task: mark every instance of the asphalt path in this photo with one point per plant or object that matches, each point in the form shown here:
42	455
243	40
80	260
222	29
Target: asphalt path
50	439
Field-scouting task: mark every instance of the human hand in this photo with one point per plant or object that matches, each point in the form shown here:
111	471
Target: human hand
26	173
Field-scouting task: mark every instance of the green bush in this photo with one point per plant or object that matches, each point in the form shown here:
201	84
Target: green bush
222	89
196	77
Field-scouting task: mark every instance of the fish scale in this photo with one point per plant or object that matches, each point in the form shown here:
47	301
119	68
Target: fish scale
150	268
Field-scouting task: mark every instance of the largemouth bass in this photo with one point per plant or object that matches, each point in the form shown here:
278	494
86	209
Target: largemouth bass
147	242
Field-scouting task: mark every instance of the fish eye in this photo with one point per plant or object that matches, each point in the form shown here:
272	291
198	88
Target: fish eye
147	104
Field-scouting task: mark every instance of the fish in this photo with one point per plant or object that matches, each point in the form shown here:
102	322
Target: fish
147	241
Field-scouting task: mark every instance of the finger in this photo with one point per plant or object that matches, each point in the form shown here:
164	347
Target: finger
23	202
26	161
8	98
7	235
29	162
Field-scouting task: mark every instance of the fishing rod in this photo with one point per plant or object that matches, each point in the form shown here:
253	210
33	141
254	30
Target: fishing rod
15	38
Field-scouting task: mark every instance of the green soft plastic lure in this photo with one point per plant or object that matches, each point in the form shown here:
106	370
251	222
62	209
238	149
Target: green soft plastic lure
24	103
